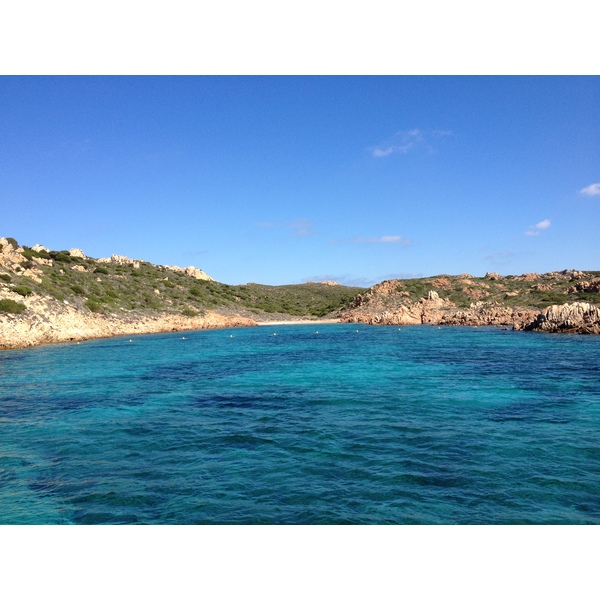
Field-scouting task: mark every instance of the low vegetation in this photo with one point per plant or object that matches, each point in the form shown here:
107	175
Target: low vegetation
111	288
530	291
10	306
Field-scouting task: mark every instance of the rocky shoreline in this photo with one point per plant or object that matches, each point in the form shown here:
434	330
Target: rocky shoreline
51	296
578	317
56	324
48	322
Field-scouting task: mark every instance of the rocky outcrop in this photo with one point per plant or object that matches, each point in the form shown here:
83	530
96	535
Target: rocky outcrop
9	255
425	311
578	317
77	253
484	313
191	271
120	260
590	287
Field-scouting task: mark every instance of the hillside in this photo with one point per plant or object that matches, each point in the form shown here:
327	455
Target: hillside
512	300
39	287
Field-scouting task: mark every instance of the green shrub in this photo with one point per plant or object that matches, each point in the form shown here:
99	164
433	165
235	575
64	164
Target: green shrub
22	290
10	306
101	270
188	312
13	242
5	277
78	289
62	256
93	305
28	253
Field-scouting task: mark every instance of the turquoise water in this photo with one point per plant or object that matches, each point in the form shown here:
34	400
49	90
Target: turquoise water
354	424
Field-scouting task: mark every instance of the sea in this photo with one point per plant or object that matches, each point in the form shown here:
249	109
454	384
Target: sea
304	424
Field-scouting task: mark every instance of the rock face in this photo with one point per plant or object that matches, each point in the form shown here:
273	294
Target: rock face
77	253
426	310
49	321
484	313
578	317
586	286
10	256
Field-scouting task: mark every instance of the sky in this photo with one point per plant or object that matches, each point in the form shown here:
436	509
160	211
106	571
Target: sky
286	179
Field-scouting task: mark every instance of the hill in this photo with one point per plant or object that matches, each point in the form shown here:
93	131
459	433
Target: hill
43	291
512	300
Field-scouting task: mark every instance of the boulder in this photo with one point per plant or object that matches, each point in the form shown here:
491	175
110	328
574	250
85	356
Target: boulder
197	273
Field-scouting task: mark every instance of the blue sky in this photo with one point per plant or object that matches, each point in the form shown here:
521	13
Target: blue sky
286	179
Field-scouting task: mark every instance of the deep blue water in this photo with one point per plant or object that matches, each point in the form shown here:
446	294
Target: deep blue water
382	425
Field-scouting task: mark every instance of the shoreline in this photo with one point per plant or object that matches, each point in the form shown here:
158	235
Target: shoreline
70	327
60	324
298	322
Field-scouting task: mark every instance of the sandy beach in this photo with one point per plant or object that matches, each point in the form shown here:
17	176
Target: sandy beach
299	322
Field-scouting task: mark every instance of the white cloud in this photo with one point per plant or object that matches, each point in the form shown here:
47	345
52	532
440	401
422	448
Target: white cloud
538	228
384	239
405	141
379	152
402	142
591	190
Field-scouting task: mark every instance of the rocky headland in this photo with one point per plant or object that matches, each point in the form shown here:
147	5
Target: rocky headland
523	302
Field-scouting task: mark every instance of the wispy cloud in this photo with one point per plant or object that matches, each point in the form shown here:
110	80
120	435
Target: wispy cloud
405	141
301	228
591	190
384	239
538	228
